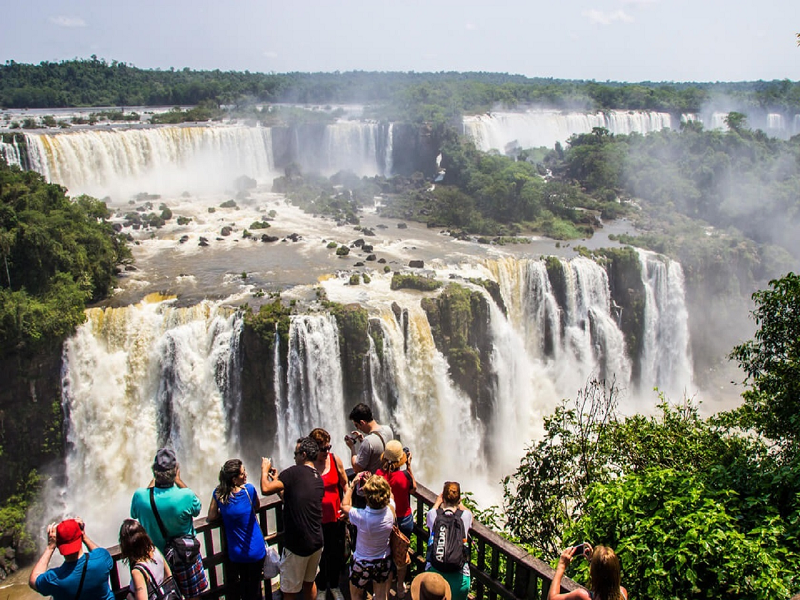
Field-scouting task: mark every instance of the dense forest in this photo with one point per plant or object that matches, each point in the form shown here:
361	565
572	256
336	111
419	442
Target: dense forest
411	96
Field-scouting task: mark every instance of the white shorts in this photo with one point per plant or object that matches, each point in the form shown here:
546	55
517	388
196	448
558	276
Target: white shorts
296	570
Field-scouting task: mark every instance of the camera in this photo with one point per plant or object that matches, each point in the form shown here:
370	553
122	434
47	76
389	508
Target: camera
350	437
407	451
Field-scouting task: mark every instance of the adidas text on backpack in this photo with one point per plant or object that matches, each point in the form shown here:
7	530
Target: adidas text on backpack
448	550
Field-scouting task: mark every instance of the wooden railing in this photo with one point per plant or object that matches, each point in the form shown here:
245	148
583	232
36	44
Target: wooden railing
499	569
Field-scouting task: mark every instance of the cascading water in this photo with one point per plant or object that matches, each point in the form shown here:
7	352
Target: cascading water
314	393
139	377
10	152
666	357
362	147
156	159
432	416
545	127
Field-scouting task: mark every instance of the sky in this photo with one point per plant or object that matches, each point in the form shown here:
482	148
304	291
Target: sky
618	40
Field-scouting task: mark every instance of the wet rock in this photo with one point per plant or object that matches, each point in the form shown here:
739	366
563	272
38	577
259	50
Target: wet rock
130	268
382	261
367	232
416	264
402	226
226	231
295	237
372	257
269	238
359	264
184	239
203	242
359	242
117	227
367	247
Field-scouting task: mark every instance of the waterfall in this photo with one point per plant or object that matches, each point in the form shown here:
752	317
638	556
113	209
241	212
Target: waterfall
314	394
345	145
389	152
666	357
10	152
167	159
141	376
137	378
432	416
545	127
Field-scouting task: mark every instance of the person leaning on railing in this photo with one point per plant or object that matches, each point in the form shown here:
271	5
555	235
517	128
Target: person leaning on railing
456	574
604	575
237	503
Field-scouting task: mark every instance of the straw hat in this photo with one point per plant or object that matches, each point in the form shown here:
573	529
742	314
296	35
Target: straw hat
394	452
430	586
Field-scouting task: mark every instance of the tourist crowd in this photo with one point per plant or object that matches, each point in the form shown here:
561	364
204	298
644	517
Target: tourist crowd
328	520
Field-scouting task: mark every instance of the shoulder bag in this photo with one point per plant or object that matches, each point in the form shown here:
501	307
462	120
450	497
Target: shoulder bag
180	550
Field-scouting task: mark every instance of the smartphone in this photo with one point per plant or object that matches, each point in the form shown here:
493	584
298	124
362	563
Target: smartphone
579	549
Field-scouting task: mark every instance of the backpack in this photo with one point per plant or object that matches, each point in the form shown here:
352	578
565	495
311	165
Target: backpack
448	550
166	590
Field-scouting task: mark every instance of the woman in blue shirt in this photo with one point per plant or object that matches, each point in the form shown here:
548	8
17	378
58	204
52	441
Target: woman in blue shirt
236	501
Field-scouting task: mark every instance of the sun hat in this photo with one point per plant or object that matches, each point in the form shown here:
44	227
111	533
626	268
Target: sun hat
394	452
165	460
430	586
69	537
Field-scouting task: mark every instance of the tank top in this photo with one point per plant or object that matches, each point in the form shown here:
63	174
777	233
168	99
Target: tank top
331	501
156	567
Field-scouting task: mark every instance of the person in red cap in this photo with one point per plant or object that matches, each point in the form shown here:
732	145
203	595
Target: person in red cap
83	574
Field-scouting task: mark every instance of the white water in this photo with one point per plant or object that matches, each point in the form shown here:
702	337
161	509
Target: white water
545	127
10	152
314	396
198	159
666	353
135	379
127	370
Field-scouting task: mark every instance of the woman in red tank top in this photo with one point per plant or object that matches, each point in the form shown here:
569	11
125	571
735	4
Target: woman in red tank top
331	469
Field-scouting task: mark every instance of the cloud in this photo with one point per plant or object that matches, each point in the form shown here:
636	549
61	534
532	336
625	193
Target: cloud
270	54
640	2
471	27
607	18
64	21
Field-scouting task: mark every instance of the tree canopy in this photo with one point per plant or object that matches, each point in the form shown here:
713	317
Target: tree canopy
57	254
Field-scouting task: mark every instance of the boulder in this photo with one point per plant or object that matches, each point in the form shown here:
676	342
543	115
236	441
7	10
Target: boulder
416	264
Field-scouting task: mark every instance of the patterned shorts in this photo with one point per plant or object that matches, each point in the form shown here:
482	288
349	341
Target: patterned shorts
364	571
191	579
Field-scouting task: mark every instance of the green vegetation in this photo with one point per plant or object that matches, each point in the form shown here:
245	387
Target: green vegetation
206	110
57	255
772	363
694	507
271	319
410	281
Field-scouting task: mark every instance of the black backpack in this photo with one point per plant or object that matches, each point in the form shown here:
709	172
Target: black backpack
448	550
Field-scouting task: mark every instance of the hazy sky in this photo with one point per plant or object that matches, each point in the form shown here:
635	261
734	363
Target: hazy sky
627	40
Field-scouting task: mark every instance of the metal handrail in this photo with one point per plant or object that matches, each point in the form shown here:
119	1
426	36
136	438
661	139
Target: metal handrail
499	568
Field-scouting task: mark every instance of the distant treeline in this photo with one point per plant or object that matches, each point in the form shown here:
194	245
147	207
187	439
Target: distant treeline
408	96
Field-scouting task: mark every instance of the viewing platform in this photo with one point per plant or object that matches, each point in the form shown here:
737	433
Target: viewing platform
500	569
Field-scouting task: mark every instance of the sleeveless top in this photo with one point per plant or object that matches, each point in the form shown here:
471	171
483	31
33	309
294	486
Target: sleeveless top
331	501
155	566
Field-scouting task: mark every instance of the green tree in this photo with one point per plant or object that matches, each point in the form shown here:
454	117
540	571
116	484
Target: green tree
771	362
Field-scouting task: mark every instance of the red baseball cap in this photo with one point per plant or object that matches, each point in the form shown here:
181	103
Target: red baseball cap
69	537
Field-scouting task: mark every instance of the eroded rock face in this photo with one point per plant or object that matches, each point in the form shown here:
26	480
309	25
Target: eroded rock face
459	320
32	420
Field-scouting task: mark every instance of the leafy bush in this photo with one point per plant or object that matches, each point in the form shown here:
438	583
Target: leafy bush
414	282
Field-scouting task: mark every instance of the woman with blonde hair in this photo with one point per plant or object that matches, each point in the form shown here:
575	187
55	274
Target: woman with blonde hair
403	484
604	574
372	559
